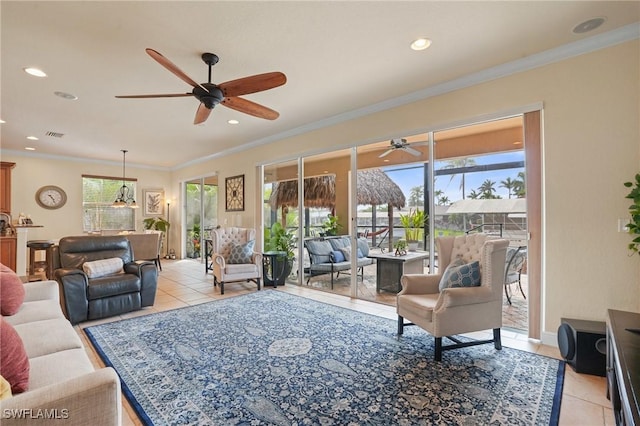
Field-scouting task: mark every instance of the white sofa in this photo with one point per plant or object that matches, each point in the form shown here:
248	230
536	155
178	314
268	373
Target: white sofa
62	380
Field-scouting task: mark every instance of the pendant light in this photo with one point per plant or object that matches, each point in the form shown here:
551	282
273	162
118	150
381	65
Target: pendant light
125	194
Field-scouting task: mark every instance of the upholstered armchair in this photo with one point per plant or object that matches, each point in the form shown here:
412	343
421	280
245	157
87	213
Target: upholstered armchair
98	277
463	297
233	257
147	246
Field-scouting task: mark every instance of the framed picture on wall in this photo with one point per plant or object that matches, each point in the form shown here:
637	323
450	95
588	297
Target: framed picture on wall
153	200
234	193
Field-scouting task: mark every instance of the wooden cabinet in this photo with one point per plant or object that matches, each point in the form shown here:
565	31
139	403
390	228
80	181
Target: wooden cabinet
623	366
8	252
5	186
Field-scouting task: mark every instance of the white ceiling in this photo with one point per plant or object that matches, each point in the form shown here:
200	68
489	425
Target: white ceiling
339	57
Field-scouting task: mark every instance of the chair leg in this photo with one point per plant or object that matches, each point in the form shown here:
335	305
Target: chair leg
221	287
258	282
497	341
520	286
438	352
158	264
400	325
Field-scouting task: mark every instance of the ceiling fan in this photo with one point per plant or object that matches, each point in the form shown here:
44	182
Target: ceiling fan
227	94
403	145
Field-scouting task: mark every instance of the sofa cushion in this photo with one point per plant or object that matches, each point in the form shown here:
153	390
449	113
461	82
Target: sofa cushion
460	275
112	286
14	364
319	251
241	253
49	336
11	291
103	267
37	310
46	370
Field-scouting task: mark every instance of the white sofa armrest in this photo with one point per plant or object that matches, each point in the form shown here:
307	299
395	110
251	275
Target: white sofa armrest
41	290
90	399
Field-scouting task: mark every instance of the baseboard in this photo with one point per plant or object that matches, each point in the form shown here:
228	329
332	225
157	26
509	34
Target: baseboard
550	339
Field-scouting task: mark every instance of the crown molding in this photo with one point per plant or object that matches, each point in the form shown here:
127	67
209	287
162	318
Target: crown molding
560	53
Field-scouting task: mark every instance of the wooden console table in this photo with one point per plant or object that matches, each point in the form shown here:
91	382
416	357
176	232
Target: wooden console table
623	366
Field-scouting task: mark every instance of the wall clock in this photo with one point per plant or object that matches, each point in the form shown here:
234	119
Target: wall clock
51	197
235	193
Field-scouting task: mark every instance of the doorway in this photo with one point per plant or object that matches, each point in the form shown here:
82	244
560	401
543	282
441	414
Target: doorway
200	215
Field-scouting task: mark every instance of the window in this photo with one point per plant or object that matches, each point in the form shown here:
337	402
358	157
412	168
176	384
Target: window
98	195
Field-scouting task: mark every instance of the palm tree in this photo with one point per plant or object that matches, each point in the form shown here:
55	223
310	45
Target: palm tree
519	188
444	201
416	196
459	163
474	195
508	184
487	189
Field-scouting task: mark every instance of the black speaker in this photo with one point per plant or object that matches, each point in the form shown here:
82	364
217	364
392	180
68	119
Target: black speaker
583	344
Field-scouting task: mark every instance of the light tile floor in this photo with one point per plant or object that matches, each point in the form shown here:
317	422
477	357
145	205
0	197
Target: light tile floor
183	283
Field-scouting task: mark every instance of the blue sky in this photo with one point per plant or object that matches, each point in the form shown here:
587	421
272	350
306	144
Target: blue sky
450	184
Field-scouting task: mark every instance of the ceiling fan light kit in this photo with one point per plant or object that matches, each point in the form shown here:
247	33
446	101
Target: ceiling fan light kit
402	144
227	94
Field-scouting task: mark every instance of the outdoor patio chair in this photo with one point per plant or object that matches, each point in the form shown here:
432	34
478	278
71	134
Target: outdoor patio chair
516	261
465	297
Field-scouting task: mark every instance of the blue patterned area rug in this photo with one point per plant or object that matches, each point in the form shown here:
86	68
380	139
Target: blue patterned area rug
273	358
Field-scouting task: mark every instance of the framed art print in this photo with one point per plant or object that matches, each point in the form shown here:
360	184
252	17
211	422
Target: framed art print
153	200
234	192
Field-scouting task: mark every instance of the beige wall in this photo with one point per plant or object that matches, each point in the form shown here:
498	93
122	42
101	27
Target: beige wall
31	173
591	146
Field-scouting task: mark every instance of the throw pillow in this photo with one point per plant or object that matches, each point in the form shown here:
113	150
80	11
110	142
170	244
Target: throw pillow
11	291
346	251
14	364
241	253
338	256
460	275
103	267
5	389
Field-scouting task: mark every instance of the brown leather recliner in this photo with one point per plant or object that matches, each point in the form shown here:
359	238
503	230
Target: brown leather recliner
85	298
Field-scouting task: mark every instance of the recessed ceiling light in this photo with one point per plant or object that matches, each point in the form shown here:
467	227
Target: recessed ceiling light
588	25
66	95
29	148
32	138
2	121
35	72
385	161
517	143
233	122
420	44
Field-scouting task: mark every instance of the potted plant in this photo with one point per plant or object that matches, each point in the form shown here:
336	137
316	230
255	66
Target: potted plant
633	227
413	224
401	247
279	239
331	225
156	223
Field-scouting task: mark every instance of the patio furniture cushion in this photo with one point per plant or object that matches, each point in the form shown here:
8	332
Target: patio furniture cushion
338	256
319	251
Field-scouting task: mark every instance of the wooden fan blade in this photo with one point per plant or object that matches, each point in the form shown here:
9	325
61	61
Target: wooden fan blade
171	67
168	95
253	84
251	108
201	114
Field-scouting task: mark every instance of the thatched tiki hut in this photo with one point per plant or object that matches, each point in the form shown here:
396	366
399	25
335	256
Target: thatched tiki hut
374	187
